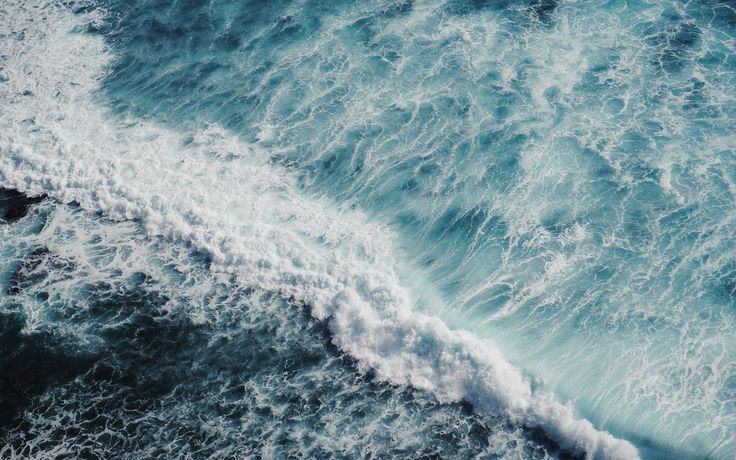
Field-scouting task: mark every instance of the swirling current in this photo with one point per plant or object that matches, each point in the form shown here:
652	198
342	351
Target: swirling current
352	229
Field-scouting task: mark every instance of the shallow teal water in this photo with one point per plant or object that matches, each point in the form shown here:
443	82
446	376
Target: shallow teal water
557	177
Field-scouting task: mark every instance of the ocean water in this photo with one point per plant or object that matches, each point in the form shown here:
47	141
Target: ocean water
424	229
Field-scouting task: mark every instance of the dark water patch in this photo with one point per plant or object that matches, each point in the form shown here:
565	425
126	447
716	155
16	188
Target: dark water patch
543	9
15	205
30	363
675	41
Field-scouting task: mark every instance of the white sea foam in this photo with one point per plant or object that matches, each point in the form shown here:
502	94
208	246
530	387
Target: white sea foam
217	194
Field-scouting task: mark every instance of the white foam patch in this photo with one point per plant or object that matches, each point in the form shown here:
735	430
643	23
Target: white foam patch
219	195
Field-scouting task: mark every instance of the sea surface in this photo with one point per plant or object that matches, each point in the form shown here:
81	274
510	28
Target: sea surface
368	229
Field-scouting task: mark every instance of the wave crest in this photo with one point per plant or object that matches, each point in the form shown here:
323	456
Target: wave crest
217	194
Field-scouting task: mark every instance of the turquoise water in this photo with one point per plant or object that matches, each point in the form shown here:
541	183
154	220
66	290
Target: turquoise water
496	228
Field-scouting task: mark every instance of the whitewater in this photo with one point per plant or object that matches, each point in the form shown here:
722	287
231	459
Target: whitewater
561	263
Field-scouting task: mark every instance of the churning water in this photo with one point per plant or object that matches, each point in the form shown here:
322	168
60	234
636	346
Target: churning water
431	228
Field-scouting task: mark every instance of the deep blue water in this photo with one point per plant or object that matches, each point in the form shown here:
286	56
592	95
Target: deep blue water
112	363
266	223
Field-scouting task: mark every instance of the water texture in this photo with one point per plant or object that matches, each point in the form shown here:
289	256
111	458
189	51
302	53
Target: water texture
393	228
